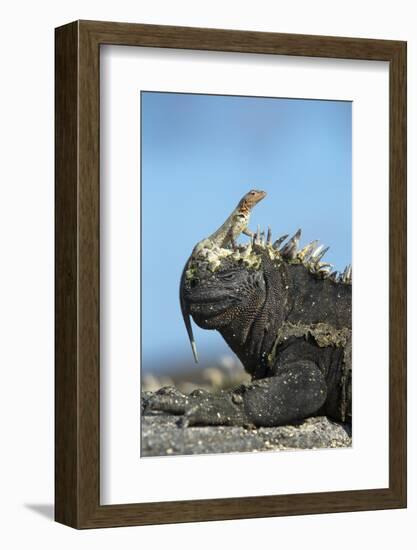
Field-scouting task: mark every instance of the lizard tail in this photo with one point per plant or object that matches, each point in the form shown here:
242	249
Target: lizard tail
186	316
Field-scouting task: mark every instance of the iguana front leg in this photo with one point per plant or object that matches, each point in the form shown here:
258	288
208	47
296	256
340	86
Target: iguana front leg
199	407
298	391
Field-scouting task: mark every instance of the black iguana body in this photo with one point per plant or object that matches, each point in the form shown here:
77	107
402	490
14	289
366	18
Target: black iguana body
287	317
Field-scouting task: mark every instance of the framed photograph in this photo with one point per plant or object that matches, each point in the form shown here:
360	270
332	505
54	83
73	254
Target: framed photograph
230	274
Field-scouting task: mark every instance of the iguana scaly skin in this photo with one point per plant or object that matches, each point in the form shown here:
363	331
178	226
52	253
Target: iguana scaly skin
287	316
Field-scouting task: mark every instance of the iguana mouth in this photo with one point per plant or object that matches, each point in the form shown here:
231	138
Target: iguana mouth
205	304
209	297
201	312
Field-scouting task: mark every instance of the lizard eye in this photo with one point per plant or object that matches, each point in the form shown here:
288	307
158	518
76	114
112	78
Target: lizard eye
227	276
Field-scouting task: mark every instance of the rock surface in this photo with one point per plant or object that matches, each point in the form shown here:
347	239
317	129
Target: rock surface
161	436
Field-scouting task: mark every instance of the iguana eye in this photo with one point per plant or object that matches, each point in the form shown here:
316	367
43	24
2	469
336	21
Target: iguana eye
227	276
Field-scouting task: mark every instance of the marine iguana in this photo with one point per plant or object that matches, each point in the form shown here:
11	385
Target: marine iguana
286	315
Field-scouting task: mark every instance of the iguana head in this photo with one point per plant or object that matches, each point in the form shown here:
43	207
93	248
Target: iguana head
215	298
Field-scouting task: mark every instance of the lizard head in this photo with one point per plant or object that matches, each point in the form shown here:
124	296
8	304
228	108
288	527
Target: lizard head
248	201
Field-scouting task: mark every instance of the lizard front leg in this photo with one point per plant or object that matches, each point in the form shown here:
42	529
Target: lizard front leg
248	233
233	243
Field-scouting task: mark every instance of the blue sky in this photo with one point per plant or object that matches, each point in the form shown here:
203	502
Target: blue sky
200	154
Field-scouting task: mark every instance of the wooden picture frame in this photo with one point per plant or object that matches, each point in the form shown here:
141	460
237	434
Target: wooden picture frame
77	382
